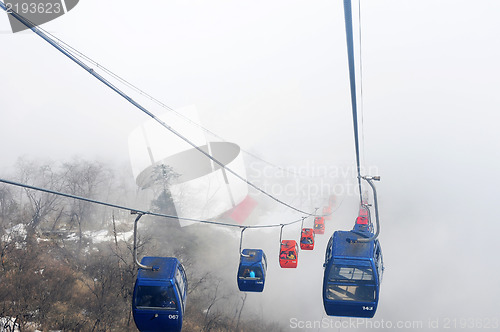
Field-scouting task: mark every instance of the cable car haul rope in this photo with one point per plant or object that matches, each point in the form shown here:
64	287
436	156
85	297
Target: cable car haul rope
70	54
353	264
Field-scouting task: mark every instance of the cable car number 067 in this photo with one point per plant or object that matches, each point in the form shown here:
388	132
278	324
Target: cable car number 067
173	316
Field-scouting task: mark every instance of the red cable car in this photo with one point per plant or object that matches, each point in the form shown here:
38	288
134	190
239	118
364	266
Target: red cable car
319	225
363	216
363	212
362	220
307	239
327	211
289	254
331	201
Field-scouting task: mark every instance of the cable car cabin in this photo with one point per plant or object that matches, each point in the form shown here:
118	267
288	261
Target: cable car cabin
353	272
252	270
363	212
307	239
289	254
363	223
362	220
319	225
160	295
327	211
331	201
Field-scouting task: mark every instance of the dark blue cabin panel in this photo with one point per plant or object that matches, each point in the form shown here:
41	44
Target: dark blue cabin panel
159	295
351	280
252	270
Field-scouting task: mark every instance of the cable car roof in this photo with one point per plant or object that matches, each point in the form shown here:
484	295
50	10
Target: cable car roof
288	244
343	245
164	268
254	255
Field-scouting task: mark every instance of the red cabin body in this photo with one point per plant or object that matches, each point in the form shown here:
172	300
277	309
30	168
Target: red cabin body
327	211
362	220
307	239
331	201
319	225
289	254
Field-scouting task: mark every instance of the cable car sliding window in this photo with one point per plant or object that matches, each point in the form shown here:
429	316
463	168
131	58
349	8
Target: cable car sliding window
179	278
347	273
158	297
264	262
180	281
328	253
181	303
250	274
362	293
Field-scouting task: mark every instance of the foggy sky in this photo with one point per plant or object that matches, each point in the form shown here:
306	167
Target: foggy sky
272	77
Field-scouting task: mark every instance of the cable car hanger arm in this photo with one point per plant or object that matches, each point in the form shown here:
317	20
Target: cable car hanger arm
369	179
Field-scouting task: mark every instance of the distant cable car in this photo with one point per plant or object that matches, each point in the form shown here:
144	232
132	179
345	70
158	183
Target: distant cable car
363	211
319	225
252	270
289	252
159	296
307	239
364	216
331	201
362	220
327	212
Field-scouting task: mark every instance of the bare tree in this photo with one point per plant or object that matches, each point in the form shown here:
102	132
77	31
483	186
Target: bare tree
83	178
40	204
8	204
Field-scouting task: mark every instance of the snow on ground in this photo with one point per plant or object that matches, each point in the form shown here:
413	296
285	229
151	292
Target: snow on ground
18	230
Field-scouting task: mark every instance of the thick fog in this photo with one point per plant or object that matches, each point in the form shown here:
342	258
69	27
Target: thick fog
272	77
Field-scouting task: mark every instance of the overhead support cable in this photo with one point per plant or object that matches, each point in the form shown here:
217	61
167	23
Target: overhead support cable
83	56
352	80
361	106
140	212
68	53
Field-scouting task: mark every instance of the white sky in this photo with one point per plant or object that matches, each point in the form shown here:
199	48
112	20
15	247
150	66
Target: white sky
272	77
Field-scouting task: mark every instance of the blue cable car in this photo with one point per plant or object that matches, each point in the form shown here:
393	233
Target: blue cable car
160	295
354	266
353	273
252	270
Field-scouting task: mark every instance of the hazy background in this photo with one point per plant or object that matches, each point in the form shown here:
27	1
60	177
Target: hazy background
272	77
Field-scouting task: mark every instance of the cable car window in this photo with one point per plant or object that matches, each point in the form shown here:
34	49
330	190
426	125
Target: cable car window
379	263
328	253
362	293
347	273
250	274
306	240
179	292
180	280
264	262
160	297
